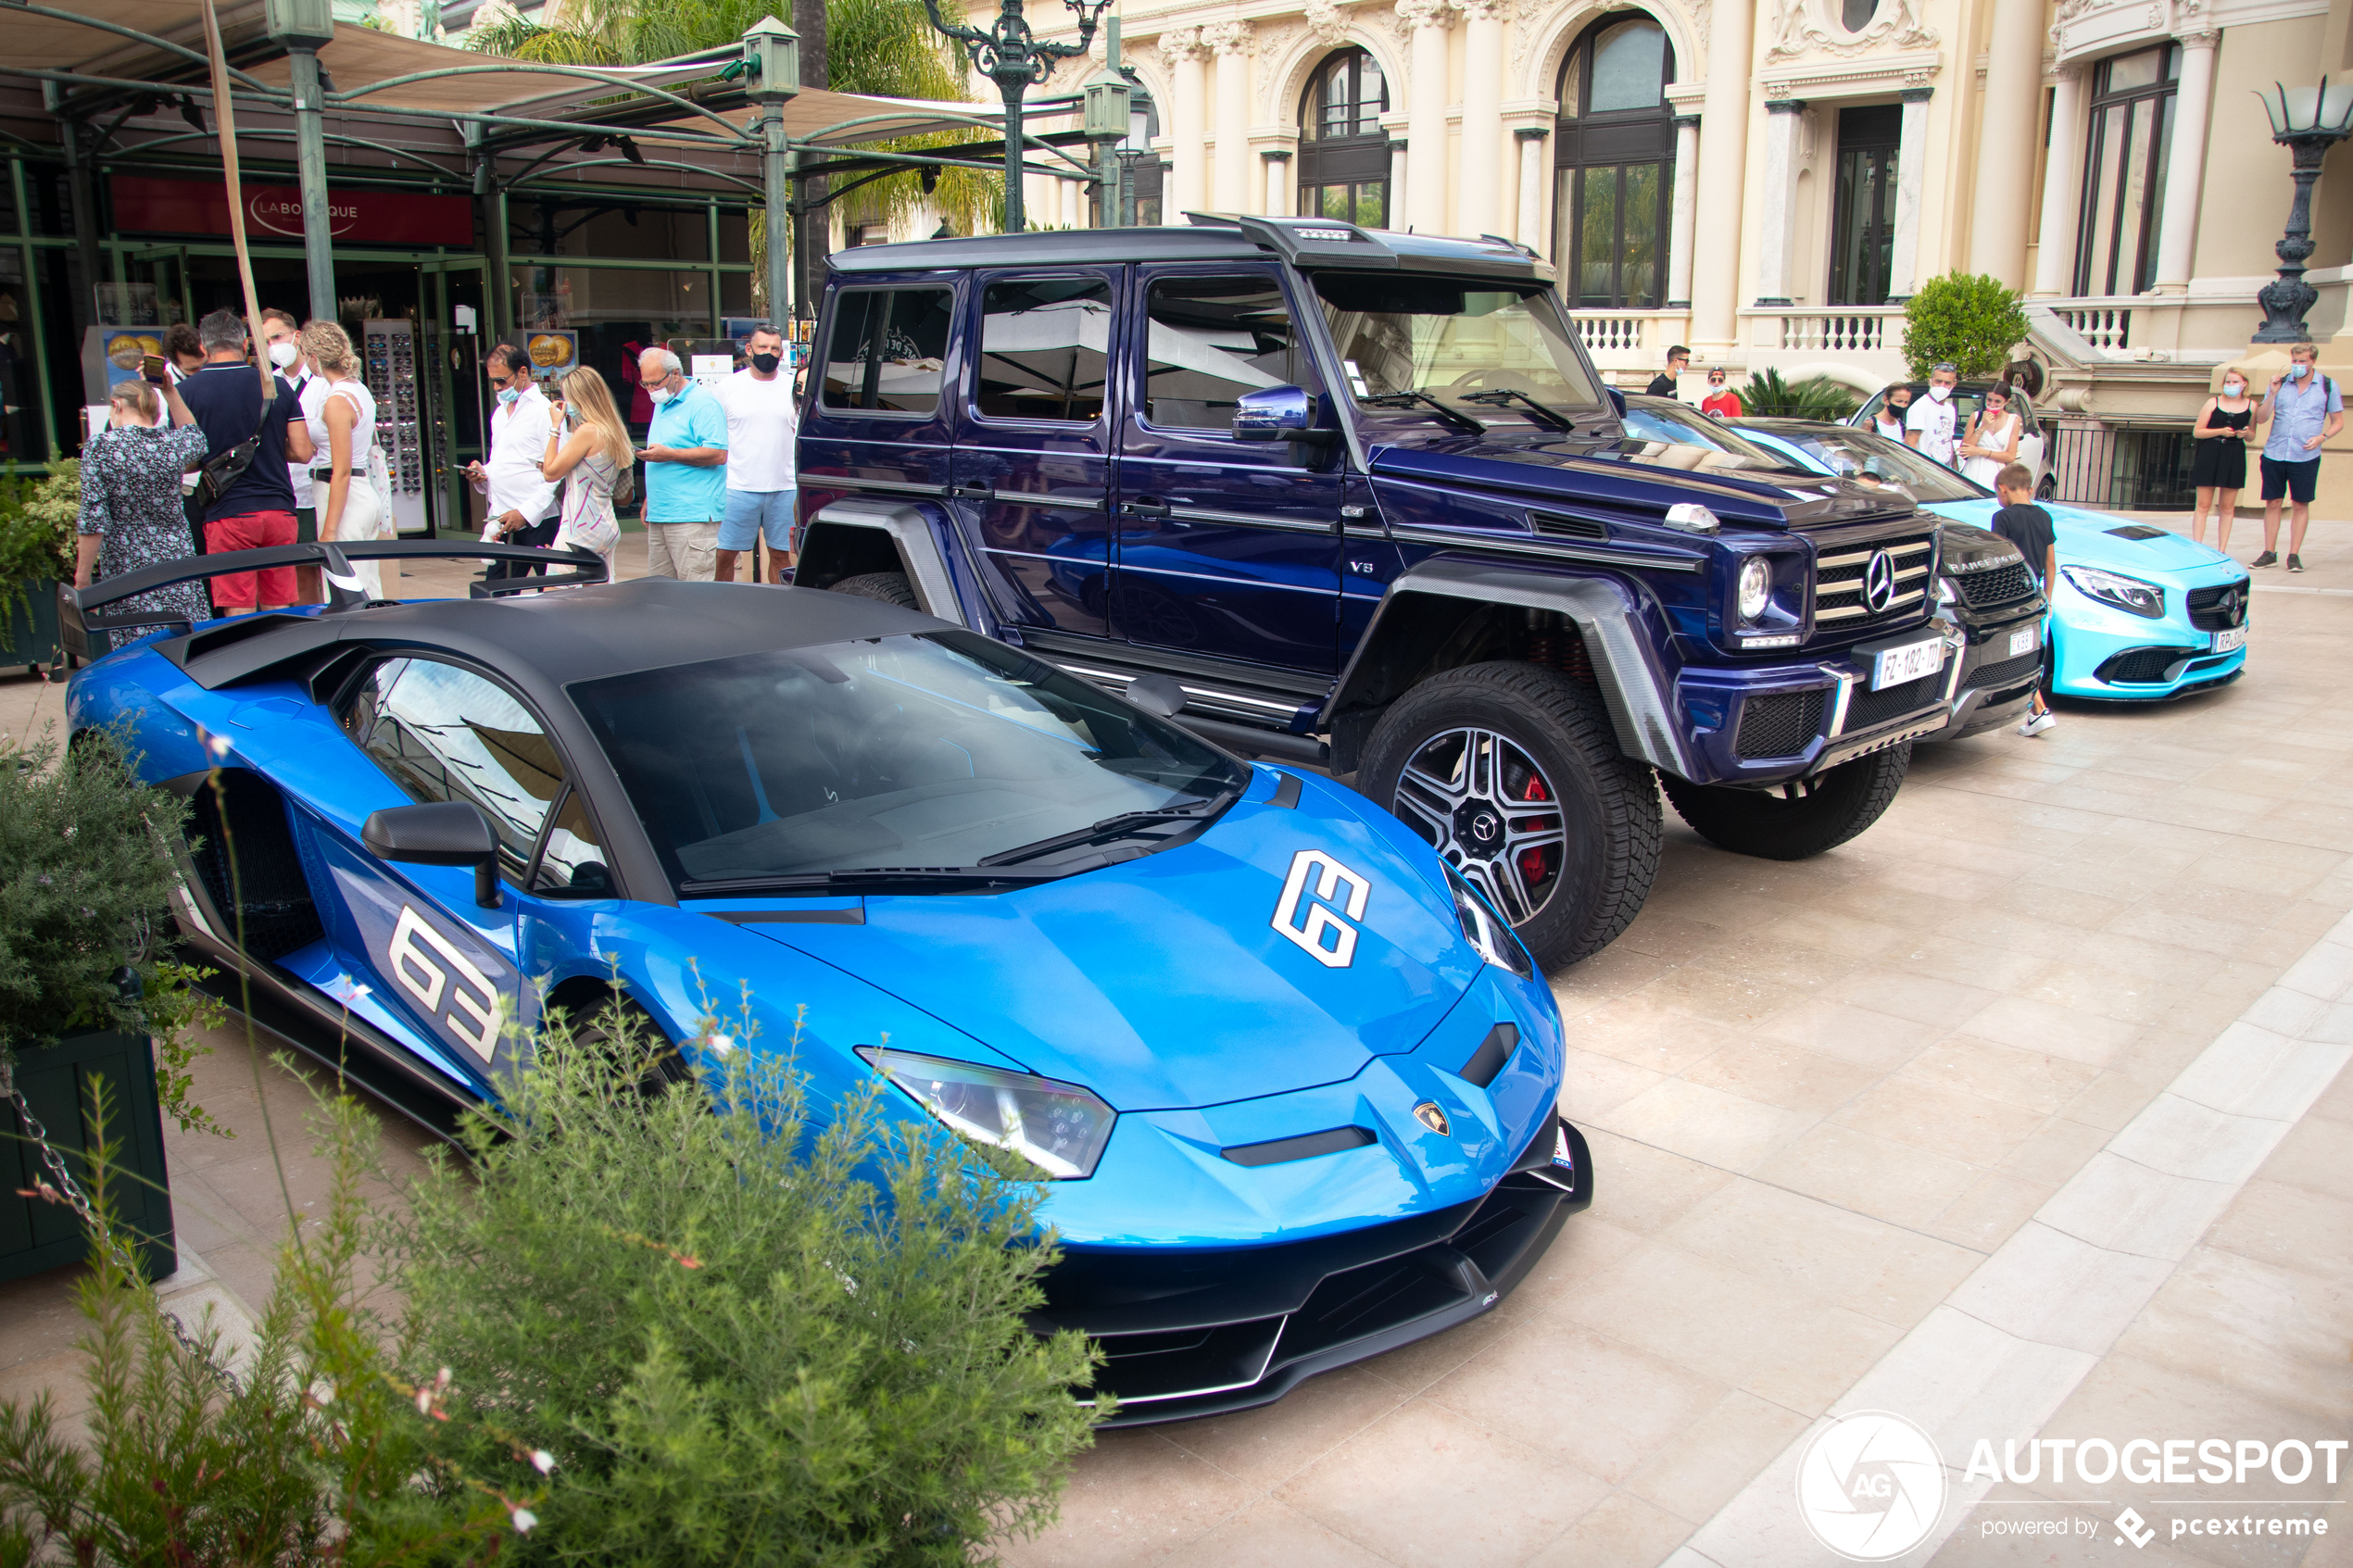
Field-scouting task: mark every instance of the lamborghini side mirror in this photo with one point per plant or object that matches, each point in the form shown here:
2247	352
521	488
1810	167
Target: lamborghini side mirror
439	832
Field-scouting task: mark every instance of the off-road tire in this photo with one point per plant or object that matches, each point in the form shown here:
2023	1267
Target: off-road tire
1844	802
891	587
1608	804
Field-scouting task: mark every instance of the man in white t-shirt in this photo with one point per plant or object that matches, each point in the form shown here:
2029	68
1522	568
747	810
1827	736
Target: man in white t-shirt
761	426
1930	424
281	330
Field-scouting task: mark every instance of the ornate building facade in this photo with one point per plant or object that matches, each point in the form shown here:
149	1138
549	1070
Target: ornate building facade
1767	181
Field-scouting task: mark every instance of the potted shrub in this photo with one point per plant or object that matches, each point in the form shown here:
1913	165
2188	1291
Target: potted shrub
86	980
36	553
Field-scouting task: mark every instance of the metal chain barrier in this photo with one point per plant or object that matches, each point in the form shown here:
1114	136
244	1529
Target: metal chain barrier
95	1223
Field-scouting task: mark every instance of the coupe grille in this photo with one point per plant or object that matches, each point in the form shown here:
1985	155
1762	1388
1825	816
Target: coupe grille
2220	608
1781	724
2143	667
1838	584
2002	585
2024	667
1866	709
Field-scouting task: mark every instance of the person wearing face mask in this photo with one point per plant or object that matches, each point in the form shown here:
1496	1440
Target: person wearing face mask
685	460
2218	467
1721	401
280	334
519	501
2304	409
761	428
1930	424
1889	420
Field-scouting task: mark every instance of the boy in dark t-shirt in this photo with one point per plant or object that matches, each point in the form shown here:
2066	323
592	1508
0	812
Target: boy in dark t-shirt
2029	527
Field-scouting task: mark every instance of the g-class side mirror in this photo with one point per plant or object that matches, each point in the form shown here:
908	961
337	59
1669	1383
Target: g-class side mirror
439	832
1276	413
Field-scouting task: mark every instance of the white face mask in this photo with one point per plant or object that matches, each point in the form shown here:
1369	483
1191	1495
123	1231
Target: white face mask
1940	392
283	355
2234	389
659	394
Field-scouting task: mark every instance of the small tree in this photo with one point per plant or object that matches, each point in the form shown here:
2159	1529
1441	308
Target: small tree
1817	397
1973	321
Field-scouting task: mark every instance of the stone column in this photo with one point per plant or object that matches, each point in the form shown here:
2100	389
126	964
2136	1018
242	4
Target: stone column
1232	40
1279	195
1723	152
2005	141
1427	21
1682	218
1395	218
1776	232
1911	172
1189	118
1532	172
2185	163
2062	189
1478	210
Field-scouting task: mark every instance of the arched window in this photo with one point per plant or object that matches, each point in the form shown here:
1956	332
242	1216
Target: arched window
1344	152
2132	132
1613	164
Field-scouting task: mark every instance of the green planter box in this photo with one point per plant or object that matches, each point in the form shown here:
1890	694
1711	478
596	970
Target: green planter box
36	1234
29	630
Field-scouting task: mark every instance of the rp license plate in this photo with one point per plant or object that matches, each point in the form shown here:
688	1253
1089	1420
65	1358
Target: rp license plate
2230	641
2025	640
1892	667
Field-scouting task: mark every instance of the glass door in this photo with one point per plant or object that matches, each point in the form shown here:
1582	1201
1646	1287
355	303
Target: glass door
1863	218
454	320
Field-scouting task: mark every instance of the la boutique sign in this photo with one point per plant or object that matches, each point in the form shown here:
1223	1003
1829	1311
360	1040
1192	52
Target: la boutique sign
274	209
363	215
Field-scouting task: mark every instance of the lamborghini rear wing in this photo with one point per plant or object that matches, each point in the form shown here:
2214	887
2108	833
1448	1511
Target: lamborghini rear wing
75	621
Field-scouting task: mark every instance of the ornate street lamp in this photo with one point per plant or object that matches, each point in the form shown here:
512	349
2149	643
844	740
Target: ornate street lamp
1008	55
2309	122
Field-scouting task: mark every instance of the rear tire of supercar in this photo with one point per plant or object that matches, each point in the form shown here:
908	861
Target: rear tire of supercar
891	587
1606	804
1842	803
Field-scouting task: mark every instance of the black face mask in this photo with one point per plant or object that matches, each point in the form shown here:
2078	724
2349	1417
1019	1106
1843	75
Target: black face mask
765	363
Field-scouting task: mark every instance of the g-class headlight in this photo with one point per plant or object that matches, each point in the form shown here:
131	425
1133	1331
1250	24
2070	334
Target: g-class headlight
1487	931
1755	587
1060	1128
1947	591
2113	588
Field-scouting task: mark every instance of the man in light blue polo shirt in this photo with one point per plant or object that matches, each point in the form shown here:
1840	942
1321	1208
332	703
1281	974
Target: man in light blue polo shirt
2305	409
686	458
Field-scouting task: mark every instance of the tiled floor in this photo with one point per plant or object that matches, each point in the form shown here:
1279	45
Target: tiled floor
1821	1096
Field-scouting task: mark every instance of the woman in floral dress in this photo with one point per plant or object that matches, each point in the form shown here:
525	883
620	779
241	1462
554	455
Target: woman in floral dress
131	511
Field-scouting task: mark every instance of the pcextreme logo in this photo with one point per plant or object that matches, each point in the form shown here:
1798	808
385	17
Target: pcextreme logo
1870	1486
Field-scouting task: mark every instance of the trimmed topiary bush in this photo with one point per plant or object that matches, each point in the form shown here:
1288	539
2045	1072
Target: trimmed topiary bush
1974	322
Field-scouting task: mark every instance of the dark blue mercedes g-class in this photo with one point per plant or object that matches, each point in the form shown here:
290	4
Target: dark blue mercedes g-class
1361	500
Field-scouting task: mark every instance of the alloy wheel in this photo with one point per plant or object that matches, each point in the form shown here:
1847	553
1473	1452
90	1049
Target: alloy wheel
1488	810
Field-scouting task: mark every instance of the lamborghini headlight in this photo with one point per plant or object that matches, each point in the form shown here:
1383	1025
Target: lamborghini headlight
2114	589
1486	931
1060	1128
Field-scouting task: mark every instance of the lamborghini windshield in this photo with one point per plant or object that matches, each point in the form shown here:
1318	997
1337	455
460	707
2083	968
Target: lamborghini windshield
1404	337
908	755
1872	460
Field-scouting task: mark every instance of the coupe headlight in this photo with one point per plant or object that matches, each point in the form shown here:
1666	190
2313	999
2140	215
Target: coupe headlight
1757	586
1487	931
1060	1128
2112	588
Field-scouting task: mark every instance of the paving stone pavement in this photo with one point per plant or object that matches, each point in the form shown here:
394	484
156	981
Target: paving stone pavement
2019	1115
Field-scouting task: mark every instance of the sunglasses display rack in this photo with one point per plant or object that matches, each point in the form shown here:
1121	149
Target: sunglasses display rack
390	351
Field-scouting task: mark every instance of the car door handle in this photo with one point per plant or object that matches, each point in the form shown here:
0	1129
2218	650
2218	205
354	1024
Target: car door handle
976	489
1146	506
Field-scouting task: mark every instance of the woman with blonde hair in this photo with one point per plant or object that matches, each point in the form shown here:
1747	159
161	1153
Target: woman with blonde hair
348	474
588	449
131	514
2218	464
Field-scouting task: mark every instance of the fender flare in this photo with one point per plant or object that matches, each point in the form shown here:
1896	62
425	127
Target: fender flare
1634	684
913	538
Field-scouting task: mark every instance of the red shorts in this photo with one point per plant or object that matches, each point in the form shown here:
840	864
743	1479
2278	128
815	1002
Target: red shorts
251	531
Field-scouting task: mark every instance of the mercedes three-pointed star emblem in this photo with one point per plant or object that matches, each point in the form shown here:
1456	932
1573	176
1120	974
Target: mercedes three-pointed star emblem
1879	583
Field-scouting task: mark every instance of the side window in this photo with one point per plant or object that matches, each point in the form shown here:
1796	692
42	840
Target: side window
574	862
886	348
445	733
1212	338
1044	346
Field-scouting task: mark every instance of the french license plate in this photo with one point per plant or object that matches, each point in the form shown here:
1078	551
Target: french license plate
1892	667
2025	640
2230	640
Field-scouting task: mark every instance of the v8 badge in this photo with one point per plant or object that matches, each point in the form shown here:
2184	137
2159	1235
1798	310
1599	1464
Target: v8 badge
1315	911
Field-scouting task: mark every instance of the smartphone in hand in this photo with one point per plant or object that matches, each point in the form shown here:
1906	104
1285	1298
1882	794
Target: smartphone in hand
151	368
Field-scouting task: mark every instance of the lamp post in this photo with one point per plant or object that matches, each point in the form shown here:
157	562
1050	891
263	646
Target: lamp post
1010	57
772	69
2308	122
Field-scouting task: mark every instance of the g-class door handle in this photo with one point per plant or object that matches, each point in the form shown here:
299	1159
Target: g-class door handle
1148	505
976	489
